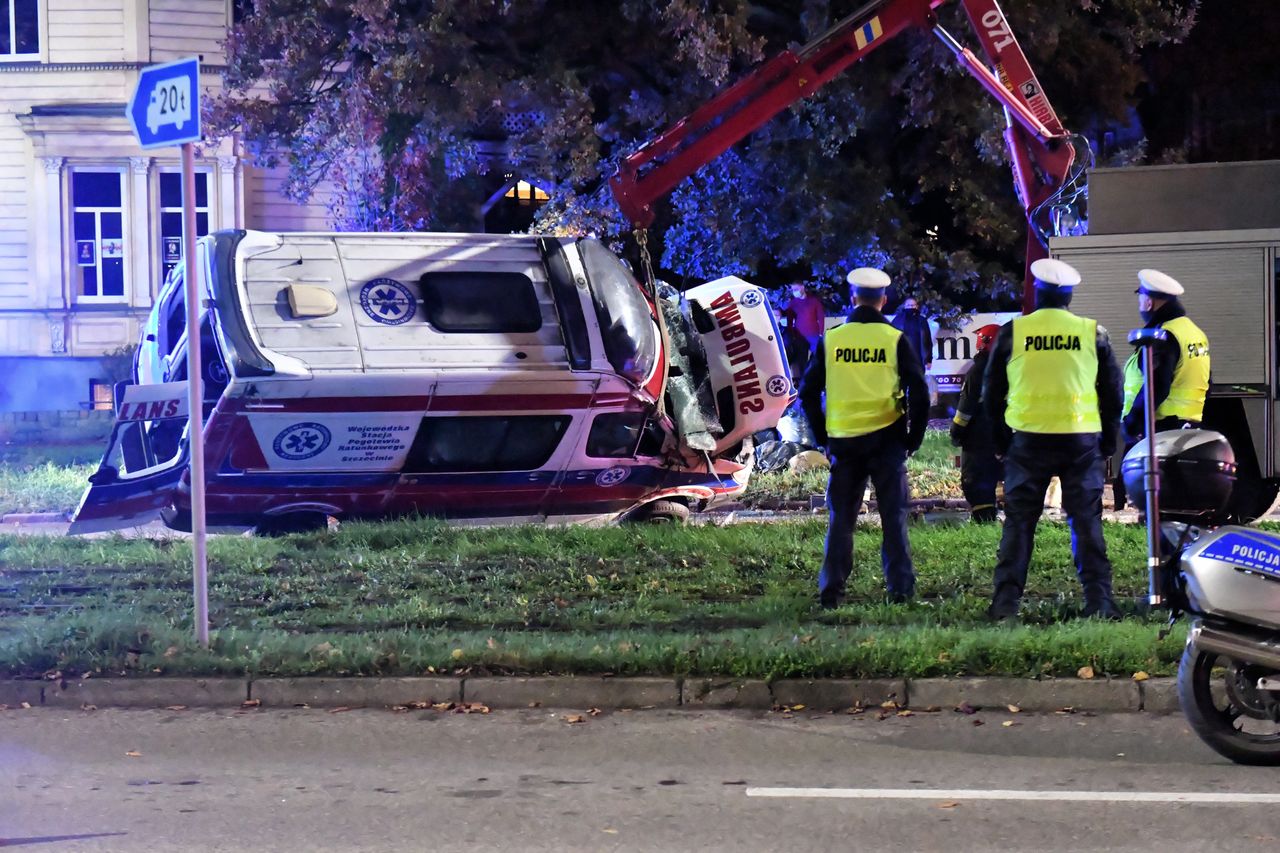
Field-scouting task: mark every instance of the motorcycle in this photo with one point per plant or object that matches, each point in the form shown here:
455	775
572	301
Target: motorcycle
1226	578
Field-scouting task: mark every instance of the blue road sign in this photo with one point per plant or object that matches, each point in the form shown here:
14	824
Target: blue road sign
165	108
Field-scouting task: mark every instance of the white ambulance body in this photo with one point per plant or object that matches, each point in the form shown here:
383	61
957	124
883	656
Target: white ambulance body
453	375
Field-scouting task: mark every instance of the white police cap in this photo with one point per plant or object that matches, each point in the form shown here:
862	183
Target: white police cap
1054	272
868	278
1157	283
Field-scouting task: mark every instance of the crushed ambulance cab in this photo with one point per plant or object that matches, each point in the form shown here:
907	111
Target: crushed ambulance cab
512	377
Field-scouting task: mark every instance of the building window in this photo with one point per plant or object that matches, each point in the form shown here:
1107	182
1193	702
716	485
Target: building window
526	194
101	395
19	29
171	215
97	211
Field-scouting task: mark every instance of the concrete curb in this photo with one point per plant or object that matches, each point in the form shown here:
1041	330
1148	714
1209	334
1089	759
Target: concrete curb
34	517
1028	695
352	692
583	691
146	692
1157	695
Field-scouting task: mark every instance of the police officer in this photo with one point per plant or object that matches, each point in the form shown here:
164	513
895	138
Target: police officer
971	432
1180	362
875	412
1052	391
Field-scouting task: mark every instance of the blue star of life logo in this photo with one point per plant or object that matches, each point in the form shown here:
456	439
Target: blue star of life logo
611	476
388	301
777	386
301	441
751	298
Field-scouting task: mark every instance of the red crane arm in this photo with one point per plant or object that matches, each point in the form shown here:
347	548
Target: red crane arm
1039	146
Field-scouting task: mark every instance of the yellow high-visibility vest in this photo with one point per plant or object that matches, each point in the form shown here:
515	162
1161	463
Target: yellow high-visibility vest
863	390
1190	376
1053	374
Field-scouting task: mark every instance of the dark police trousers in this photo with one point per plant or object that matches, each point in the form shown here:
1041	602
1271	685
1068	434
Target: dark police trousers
980	473
881	457
1032	460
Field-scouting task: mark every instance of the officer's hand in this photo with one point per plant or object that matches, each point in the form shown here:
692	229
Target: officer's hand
957	434
1107	447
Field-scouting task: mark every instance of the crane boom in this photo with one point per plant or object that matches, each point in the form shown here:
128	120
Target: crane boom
1043	154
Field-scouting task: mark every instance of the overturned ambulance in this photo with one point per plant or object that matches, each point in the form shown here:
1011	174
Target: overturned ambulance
455	375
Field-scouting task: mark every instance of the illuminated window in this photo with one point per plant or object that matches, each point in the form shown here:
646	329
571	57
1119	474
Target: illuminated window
101	395
526	193
171	215
19	29
98	245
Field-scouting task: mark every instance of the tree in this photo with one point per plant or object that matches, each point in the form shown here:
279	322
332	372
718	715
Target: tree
898	163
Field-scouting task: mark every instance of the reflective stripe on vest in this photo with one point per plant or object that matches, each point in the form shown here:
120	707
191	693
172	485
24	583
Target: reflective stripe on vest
863	390
1053	374
1190	376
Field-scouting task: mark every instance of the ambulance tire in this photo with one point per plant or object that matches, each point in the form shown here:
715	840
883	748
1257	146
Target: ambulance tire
176	519
291	522
661	512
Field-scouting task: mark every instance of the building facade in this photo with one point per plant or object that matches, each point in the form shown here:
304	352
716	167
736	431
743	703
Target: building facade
89	222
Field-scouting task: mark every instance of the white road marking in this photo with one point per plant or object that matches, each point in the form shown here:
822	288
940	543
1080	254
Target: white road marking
1044	796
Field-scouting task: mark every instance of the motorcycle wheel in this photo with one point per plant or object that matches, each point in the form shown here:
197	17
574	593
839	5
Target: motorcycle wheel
1236	728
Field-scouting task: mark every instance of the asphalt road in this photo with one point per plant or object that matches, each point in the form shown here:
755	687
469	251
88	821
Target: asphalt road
310	780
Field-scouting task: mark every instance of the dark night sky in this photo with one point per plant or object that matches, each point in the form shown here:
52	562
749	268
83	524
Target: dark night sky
1218	93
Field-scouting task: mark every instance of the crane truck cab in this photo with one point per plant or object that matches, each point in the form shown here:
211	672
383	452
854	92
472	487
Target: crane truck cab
457	375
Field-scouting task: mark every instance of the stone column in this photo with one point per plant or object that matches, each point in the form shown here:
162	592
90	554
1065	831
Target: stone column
140	232
230	211
48	256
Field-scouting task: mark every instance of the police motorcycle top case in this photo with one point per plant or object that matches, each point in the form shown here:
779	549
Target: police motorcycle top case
458	375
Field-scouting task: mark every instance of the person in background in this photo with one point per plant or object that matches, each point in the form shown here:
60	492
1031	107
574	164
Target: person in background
1181	362
1052	391
865	396
980	469
915	329
806	314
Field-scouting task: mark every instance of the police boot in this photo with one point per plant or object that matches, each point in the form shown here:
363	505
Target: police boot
1004	612
830	600
1101	606
984	514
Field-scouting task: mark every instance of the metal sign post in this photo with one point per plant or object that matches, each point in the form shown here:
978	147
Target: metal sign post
165	111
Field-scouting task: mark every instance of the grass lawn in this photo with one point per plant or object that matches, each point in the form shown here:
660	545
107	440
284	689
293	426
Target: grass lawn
419	597
931	472
46	478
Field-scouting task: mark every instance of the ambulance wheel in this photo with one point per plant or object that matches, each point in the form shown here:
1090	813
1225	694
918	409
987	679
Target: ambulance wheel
291	522
176	519
661	512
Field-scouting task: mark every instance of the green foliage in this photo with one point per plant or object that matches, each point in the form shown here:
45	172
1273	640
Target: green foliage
117	364
898	163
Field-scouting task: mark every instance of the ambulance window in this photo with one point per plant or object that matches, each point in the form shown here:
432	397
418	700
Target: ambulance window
504	443
173	313
481	302
615	434
626	321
